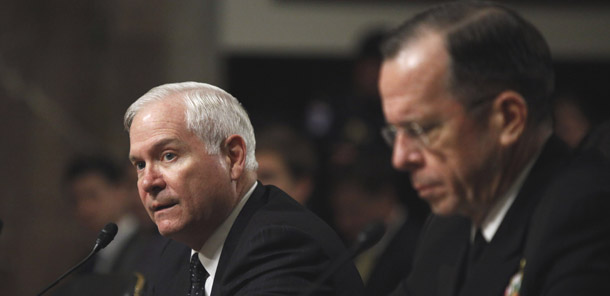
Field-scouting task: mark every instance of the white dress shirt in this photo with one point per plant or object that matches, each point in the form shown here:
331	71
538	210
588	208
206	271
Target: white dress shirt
496	215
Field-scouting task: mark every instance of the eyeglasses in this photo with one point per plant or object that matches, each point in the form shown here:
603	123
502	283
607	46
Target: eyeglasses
418	133
411	129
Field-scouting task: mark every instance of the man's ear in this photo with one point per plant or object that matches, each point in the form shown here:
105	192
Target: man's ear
236	155
510	116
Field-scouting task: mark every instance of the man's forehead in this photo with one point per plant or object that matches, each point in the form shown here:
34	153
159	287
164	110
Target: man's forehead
153	144
160	110
156	126
157	118
418	74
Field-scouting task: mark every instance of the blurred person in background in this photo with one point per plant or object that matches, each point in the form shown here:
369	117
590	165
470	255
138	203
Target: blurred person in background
352	118
97	187
100	192
287	160
578	122
364	192
572	119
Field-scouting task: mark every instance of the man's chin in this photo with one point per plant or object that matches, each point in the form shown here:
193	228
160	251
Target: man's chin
444	208
167	229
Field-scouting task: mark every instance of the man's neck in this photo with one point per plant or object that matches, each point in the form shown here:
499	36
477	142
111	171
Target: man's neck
242	186
515	162
244	183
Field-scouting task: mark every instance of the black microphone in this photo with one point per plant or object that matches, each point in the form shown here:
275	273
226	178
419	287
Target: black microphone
369	236
0	226
105	236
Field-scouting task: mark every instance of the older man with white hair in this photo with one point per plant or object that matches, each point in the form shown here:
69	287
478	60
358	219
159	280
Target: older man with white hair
192	145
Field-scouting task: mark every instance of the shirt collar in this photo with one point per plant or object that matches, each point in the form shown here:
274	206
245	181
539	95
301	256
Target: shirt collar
498	211
209	255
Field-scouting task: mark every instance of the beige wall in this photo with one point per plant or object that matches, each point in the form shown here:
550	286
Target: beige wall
303	27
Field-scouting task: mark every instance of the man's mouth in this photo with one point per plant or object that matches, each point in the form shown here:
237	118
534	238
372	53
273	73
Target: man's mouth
161	207
425	190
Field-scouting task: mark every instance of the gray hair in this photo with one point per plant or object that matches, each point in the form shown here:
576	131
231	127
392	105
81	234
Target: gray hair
211	113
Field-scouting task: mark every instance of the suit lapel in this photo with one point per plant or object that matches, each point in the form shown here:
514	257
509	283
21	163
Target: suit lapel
439	252
500	260
256	200
452	274
449	273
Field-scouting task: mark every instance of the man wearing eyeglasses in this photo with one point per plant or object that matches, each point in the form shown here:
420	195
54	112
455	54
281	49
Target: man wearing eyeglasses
465	91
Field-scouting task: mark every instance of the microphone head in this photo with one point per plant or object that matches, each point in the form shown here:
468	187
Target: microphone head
106	235
370	235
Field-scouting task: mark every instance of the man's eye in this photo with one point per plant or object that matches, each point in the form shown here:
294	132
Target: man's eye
140	165
429	127
414	130
169	156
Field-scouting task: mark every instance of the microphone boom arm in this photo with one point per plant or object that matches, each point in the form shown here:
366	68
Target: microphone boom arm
69	271
105	236
371	234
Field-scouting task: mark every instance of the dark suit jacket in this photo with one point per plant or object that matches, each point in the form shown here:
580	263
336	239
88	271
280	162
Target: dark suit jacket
275	247
568	250
134	256
546	219
394	263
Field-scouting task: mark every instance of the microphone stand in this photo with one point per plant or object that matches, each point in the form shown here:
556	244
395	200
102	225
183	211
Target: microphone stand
70	271
371	234
105	236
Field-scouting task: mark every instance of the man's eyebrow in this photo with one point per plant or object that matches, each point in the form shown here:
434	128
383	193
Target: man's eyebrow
405	122
157	146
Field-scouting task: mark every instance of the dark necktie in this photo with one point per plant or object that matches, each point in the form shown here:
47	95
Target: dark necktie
474	253
477	247
198	277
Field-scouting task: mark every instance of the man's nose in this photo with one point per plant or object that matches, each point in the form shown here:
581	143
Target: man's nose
152	180
407	153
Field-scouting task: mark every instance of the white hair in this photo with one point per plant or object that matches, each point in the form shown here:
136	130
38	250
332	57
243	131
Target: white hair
211	113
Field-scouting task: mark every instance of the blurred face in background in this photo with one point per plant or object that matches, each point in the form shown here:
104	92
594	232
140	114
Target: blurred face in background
272	169
354	208
571	124
97	201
